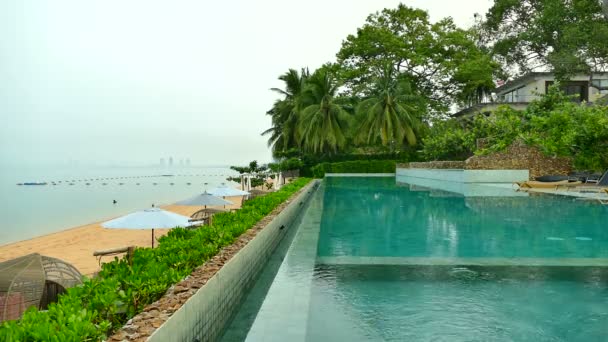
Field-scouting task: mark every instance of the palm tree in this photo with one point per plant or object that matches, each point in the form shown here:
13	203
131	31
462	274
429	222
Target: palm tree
388	116
323	118
285	112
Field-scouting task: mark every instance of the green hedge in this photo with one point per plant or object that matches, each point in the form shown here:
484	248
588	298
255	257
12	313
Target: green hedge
102	305
357	166
311	161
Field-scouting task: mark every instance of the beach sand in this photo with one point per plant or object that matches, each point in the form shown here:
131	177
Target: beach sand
76	245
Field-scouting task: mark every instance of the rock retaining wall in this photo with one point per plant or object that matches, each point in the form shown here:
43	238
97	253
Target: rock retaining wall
520	156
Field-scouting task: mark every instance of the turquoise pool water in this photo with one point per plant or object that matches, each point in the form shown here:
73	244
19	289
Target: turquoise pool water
373	260
374	217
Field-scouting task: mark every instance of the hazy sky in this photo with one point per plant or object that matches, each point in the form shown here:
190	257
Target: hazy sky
114	81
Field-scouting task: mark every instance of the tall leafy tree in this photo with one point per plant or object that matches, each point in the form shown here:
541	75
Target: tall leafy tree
444	63
389	115
564	36
324	120
285	111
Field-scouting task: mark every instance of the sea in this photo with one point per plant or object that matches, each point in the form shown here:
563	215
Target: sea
79	195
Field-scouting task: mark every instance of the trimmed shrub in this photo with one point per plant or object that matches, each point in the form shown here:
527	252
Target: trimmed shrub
356	166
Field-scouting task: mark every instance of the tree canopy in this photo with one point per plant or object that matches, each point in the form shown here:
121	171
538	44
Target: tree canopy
444	63
564	36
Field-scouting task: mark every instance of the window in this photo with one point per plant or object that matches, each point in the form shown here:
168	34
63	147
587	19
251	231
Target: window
516	95
601	84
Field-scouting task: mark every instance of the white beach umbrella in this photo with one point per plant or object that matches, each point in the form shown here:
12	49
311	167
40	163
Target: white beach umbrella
152	218
225	191
249	183
204	199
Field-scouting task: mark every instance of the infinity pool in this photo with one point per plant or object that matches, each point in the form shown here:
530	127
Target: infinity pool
373	260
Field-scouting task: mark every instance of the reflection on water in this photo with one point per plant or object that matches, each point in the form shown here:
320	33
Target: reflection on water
431	303
374	217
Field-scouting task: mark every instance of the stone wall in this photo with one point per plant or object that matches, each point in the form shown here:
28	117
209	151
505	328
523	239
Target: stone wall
520	156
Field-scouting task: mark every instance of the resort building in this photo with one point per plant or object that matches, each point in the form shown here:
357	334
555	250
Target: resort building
520	92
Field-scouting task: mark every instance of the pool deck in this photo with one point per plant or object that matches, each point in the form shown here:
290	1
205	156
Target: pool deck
601	197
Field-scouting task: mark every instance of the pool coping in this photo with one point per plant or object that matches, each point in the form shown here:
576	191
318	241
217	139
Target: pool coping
448	261
360	174
292	292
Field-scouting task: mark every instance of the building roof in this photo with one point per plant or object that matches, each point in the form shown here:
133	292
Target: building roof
521	81
525	79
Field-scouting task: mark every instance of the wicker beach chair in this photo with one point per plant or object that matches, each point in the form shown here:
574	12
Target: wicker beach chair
33	280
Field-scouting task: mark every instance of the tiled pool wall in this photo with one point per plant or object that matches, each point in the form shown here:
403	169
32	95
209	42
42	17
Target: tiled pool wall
468	183
204	315
283	315
466	176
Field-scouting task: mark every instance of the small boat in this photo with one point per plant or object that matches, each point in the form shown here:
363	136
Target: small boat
34	183
166	175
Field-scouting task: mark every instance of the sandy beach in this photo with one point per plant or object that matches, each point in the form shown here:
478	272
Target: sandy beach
76	245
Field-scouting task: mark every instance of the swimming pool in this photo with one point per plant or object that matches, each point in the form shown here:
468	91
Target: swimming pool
373	260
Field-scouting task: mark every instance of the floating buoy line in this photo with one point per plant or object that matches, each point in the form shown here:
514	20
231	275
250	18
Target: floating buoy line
107	180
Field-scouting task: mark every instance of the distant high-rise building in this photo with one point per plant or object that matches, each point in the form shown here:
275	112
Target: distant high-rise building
170	161
181	162
187	161
162	161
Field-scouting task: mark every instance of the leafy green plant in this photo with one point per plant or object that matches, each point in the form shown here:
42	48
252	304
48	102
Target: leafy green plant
103	304
554	124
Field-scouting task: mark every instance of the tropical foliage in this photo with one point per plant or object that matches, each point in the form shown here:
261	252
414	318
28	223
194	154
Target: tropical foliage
390	78
556	125
567	37
103	304
285	112
443	62
390	114
258	172
324	119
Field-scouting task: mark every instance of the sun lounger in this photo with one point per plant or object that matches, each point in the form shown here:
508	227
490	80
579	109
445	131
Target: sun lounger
545	185
592	185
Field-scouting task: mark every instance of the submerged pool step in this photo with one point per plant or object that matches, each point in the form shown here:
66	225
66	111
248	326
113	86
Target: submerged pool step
437	261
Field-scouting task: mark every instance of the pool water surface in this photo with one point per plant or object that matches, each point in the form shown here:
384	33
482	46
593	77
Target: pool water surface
374	260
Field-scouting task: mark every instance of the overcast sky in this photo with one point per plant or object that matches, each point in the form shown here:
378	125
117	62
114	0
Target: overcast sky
114	81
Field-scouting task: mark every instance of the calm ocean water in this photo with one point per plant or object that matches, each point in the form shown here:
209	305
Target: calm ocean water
30	211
